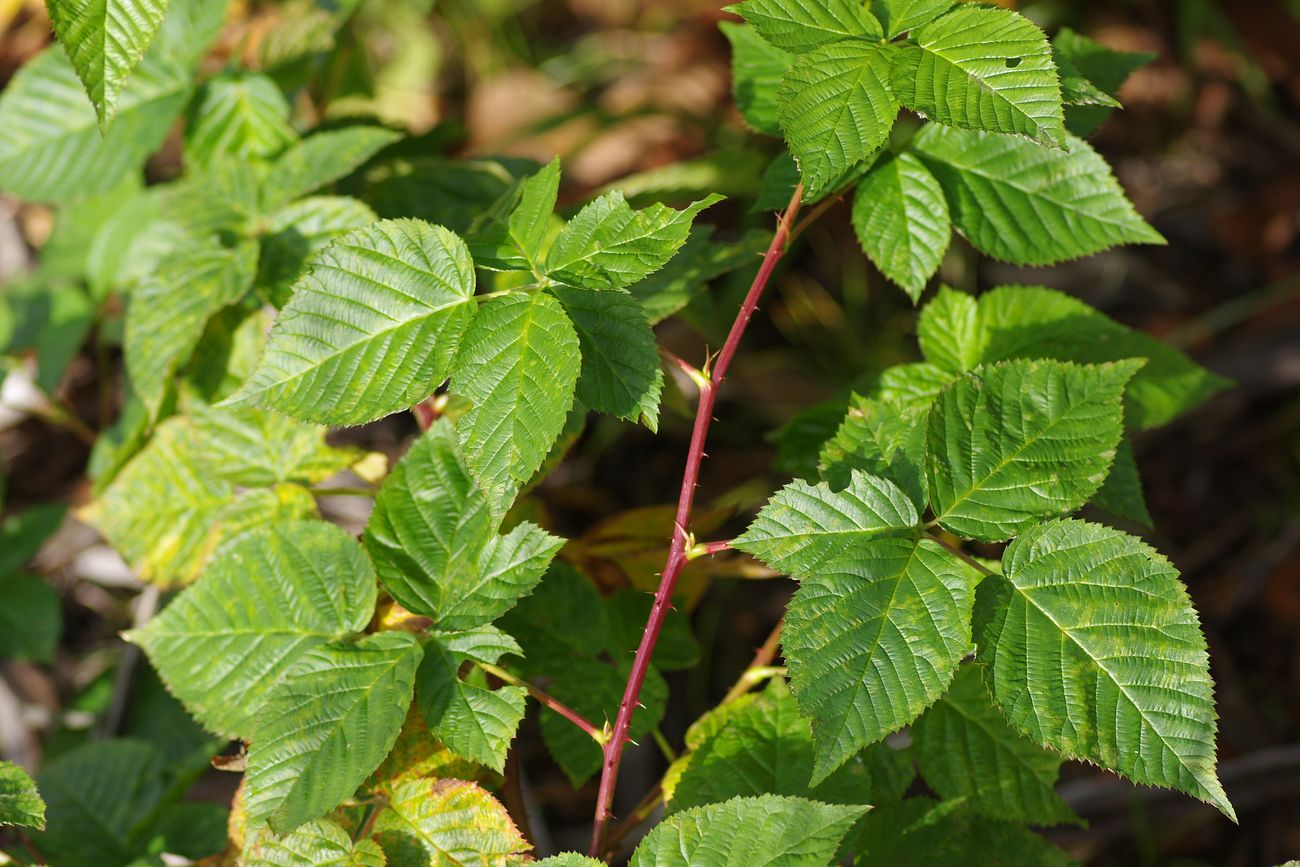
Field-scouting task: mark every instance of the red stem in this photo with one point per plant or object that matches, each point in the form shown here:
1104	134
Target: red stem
677	552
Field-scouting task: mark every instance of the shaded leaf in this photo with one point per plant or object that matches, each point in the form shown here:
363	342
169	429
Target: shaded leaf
294	234
31	618
757	67
919	832
900	16
321	159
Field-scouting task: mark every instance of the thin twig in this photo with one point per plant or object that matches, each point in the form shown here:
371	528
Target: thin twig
962	555
598	735
686	500
762	660
708	549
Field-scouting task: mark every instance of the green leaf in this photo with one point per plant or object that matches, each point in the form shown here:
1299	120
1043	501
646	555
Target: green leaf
1077	90
902	221
446	823
698	261
765	748
805	25
23	534
159	509
777	832
321	159
516	230
326	726
629	609
983	68
757	67
621	373
51	320
911	386
257	448
190	829
240	114
105	40
836	108
170	309
952	332
1102	626
1030	205
371	329
879	438
569	859
435	545
267	598
471	721
31	618
900	16
1019	441
1121	494
519	364
608	245
921	833
321	843
966	750
99	800
880	620
564	619
51	148
1105	68
20	803
294	234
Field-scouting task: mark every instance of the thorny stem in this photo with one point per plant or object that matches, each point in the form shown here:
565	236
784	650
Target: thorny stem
708	549
598	735
677	558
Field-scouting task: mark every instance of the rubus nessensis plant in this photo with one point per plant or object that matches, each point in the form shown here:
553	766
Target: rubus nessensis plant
290	280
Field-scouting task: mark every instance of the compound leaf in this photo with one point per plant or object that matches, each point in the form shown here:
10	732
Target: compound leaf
1019	441
267	598
516	228
983	68
836	108
1101	625
1026	204
621	373
20	802
804	25
902	221
371	329
326	726
446	823
777	832
519	364
966	750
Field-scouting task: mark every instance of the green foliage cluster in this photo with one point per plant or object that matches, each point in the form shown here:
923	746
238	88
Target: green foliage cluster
287	281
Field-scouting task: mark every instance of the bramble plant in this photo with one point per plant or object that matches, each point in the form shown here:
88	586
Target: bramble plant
286	281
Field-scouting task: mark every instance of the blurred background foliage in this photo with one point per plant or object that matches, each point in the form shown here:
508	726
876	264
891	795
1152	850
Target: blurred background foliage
635	94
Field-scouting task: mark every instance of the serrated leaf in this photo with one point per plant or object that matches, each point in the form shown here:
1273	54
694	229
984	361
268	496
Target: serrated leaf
967	750
911	386
1030	205
473	722
902	221
446	823
983	68
621	373
757	67
326	726
777	832
1102	626
258	448
698	261
879	438
321	159
569	859
880	620
1105	68
170	309
105	40
417	754
951	331
242	115
99	800
321	843
900	16
1121	494
51	148
294	234
159	509
31	618
1077	90
267	598
805	25
519	364
564	619
836	108
765	748
371	329
20	802
919	832
1019	441
516	226
608	245
435	542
